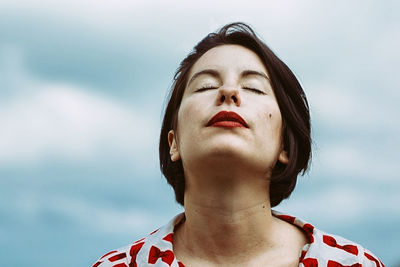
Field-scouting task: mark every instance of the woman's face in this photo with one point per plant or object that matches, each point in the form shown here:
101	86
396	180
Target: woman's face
227	79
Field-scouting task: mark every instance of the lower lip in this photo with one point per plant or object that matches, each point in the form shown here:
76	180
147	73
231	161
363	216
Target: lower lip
227	124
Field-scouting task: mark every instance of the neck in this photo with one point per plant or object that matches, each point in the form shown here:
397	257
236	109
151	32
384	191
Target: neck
227	218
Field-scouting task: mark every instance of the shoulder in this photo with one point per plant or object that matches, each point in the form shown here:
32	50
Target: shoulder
145	250
112	258
330	250
132	254
128	255
334	251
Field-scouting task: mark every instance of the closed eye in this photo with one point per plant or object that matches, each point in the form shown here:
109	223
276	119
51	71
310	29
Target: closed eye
206	87
255	90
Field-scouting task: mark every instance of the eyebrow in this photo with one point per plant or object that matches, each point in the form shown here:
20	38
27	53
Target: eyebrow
211	72
215	74
254	72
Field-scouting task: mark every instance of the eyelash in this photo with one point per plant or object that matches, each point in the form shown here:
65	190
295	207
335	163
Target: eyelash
208	87
257	91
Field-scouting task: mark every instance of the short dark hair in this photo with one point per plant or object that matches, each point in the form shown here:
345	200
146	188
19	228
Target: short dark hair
290	97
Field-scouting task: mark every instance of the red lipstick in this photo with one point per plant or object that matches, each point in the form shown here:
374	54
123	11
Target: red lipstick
227	119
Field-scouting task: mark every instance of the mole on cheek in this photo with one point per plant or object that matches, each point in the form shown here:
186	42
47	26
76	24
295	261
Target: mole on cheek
270	115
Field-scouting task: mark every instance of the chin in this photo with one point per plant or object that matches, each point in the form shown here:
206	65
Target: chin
229	162
227	146
224	155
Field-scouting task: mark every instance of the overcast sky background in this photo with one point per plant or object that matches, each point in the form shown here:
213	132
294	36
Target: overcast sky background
82	87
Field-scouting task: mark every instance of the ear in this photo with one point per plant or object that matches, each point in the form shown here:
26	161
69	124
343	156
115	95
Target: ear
173	147
283	157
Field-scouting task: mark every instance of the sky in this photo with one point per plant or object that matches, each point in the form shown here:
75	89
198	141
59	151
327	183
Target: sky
82	90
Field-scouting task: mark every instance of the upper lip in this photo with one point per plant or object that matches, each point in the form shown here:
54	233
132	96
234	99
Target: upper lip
227	116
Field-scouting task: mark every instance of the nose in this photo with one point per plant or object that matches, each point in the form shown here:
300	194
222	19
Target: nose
229	96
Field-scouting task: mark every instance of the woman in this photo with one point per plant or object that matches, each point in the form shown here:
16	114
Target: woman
235	135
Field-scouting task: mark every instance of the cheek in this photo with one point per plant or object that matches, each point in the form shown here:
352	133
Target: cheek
275	119
271	118
188	114
185	114
192	108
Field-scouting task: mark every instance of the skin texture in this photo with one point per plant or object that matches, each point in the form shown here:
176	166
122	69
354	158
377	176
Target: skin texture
227	169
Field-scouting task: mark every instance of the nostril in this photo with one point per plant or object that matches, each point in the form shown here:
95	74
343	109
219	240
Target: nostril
234	98
222	98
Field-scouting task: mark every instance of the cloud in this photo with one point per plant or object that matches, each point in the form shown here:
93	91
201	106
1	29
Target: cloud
109	219
354	132
354	161
368	110
42	120
100	217
343	205
345	54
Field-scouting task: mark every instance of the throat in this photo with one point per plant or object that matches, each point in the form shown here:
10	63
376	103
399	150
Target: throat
217	234
247	239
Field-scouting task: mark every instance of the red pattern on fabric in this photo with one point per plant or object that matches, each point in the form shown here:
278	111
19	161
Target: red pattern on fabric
302	255
102	257
154	231
108	253
310	262
309	229
288	218
372	258
169	237
155	254
137	241
134	250
337	264
117	257
330	241
321	248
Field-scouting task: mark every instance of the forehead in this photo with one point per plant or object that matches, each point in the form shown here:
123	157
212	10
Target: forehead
229	57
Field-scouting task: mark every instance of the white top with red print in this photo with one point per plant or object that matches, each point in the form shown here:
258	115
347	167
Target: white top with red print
322	250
